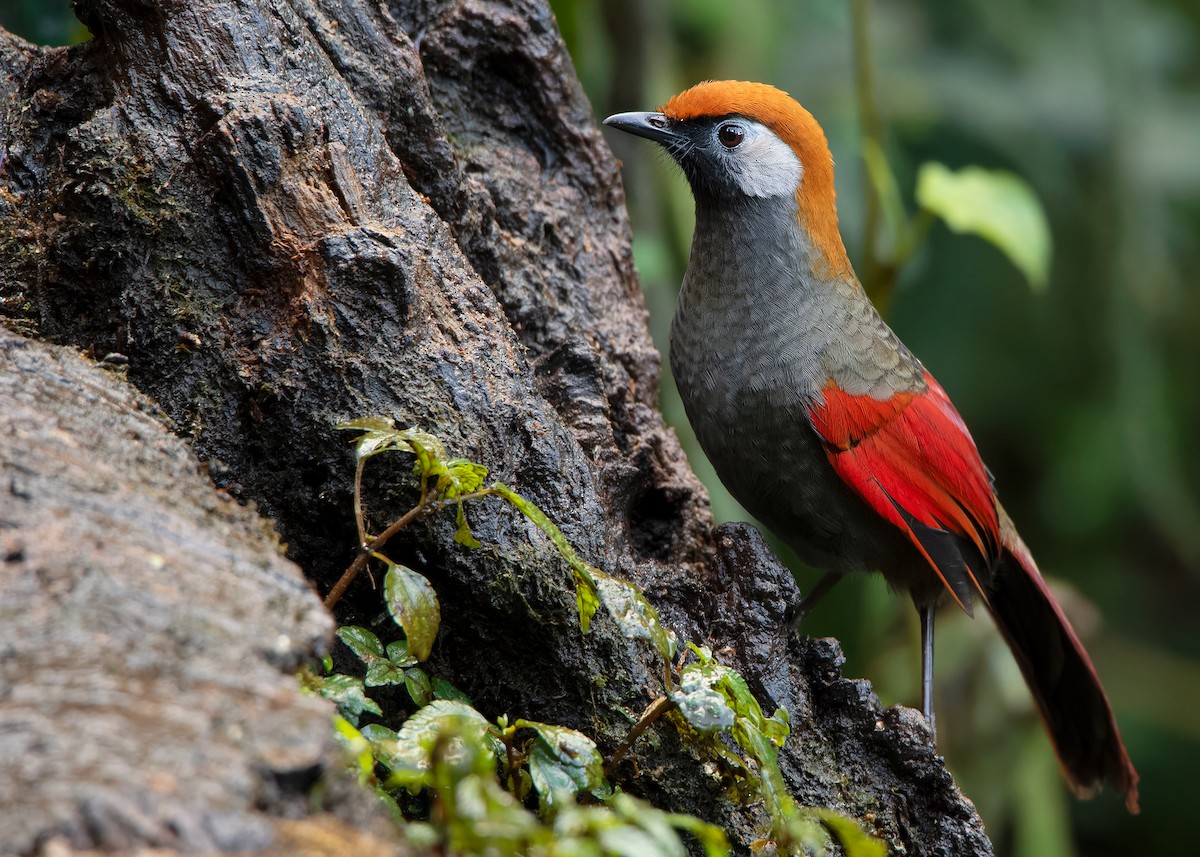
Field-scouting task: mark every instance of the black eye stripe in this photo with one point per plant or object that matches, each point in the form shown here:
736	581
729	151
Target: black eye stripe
731	135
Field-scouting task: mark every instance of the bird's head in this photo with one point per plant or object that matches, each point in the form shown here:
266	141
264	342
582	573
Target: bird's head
737	142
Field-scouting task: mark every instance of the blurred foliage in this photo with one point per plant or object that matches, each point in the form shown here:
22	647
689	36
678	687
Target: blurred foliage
1082	397
44	22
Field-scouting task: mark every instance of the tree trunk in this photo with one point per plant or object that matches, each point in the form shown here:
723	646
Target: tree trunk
279	216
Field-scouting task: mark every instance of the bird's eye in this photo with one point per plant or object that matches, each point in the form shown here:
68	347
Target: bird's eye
731	135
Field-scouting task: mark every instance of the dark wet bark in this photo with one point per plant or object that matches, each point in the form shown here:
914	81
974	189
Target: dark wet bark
285	215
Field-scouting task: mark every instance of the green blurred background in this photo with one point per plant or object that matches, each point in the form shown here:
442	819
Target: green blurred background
1082	397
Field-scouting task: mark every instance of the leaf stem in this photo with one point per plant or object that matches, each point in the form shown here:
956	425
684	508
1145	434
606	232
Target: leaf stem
421	510
365	551
358	506
653	712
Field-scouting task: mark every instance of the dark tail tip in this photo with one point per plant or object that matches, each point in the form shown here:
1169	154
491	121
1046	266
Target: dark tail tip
1072	701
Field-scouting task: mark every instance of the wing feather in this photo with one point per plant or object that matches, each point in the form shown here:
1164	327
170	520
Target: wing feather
912	460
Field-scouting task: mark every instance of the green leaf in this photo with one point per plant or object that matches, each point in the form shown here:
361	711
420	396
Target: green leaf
996	205
705	708
457	731
853	839
430	452
586	598
460	476
398	654
711	837
380	435
636	616
362	642
463	534
381	738
443	689
563	764
625	826
418	686
352	700
382	672
587	602
357	746
390	668
414	605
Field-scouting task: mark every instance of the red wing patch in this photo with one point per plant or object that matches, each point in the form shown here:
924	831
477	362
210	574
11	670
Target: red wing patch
912	460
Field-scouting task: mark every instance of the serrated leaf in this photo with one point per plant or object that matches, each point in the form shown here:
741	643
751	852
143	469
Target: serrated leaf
563	763
350	696
414	605
463	727
362	642
460	476
635	616
996	205
382	672
418	686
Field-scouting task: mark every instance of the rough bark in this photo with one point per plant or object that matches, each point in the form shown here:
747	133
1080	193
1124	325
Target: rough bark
285	215
151	627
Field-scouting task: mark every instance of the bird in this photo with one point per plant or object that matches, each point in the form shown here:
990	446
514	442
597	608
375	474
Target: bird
827	429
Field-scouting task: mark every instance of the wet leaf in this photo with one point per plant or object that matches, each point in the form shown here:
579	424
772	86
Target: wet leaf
362	642
414	605
704	708
383	672
350	696
418	686
398	654
460	729
563	763
635	615
382	739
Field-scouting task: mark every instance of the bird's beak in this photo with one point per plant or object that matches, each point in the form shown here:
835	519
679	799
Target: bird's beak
652	126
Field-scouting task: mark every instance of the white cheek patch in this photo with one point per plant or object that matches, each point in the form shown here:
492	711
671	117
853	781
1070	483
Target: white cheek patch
763	165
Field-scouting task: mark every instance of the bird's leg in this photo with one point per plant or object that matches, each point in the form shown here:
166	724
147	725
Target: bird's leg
809	601
926	611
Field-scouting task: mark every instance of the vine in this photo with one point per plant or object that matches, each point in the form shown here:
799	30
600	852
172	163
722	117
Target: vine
476	774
